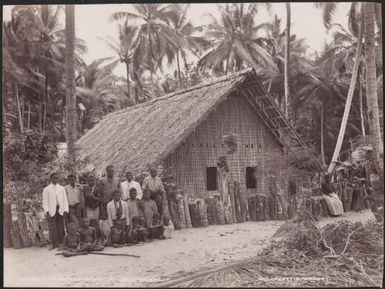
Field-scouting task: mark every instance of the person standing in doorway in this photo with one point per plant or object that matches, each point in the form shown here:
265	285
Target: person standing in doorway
107	185
154	184
76	201
55	205
128	184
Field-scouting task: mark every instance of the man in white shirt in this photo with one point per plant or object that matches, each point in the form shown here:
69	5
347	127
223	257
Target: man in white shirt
118	218
127	185
55	205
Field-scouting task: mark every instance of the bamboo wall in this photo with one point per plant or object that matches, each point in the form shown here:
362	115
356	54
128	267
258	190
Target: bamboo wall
203	147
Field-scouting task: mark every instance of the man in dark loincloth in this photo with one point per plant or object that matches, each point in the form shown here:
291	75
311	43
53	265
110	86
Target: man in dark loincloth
88	237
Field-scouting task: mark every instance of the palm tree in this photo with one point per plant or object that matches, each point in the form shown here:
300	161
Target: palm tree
125	48
275	44
287	59
349	98
371	87
235	40
100	92
150	22
193	44
70	80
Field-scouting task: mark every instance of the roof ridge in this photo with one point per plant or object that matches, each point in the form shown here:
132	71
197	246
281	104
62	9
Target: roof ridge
169	95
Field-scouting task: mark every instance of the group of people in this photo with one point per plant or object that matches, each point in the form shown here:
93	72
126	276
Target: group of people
104	212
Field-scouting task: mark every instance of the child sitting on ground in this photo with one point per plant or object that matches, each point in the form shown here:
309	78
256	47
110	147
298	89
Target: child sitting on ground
88	237
99	234
71	242
137	231
156	229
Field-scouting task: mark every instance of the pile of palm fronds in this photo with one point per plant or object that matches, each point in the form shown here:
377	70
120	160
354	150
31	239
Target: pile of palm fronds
340	254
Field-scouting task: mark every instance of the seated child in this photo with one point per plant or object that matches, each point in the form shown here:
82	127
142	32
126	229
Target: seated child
156	229
71	242
88	237
99	234
137	231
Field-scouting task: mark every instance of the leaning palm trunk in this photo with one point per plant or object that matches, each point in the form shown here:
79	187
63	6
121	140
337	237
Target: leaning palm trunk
322	136
348	100
19	114
287	59
70	80
371	89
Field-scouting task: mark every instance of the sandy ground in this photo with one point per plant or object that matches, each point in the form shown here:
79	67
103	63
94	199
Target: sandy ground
187	251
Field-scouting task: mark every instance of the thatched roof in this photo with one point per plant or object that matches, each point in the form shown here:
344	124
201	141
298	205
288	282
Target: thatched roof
146	133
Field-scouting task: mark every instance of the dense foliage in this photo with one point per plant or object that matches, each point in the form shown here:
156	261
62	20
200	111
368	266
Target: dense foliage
154	38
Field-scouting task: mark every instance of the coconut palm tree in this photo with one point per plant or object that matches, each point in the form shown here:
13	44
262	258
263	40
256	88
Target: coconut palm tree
125	48
371	87
193	45
70	81
100	92
287	59
235	40
154	36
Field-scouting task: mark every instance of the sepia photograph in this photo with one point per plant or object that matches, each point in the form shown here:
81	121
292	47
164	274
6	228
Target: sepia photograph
193	145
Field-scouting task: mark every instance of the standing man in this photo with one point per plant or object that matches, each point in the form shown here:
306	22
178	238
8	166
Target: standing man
118	217
128	184
107	186
55	205
76	201
154	184
92	199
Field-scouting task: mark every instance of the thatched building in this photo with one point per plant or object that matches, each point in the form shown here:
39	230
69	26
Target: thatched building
184	132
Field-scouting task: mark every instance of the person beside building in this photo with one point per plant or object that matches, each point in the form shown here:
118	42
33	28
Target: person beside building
76	201
128	184
132	204
332	200
154	184
55	205
118	218
148	208
92	199
107	185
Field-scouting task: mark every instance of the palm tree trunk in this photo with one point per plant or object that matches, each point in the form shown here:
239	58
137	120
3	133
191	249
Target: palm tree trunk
62	117
361	106
5	99
29	116
52	117
39	116
287	59
379	24
322	136
128	79
45	102
70	81
348	101
179	76
371	89
19	115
